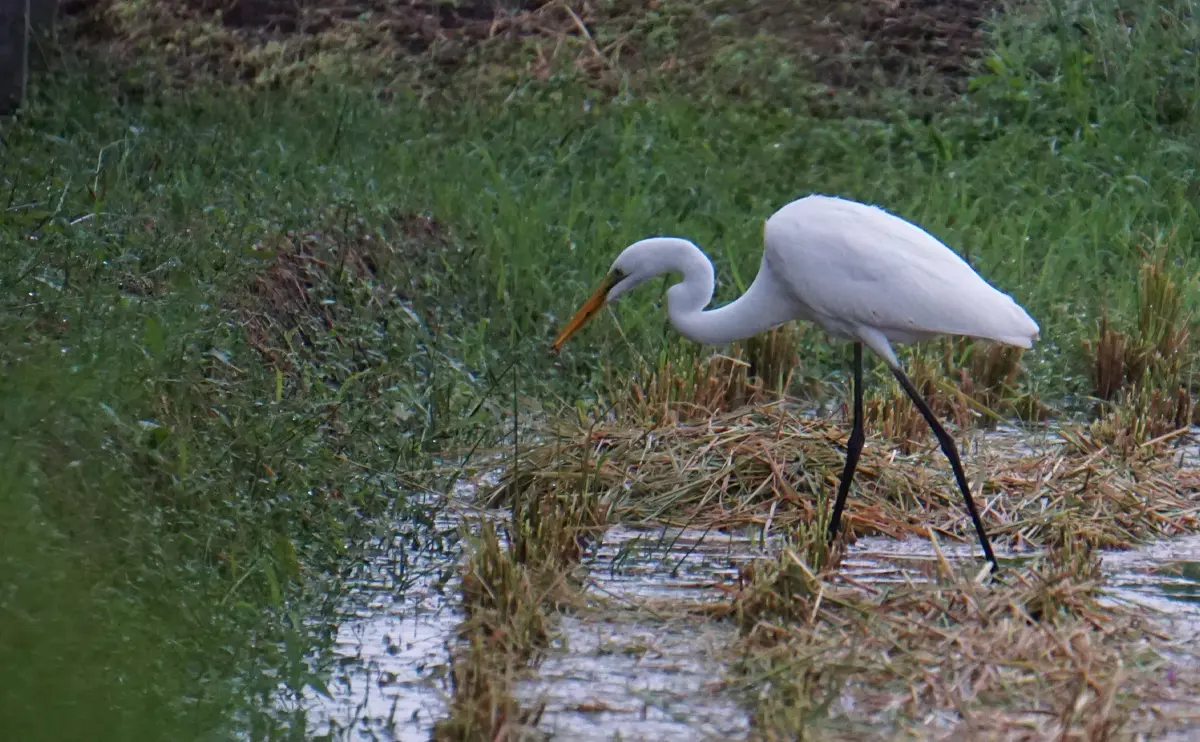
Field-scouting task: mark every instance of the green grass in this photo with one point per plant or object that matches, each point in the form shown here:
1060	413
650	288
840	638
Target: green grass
174	499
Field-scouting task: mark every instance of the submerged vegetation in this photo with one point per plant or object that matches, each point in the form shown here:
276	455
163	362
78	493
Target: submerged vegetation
274	266
1038	659
512	585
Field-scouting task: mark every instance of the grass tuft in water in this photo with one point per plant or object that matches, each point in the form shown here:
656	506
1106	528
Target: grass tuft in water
513	584
483	708
1142	374
789	587
1066	579
1034	654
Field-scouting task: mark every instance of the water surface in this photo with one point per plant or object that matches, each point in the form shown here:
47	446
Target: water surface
649	674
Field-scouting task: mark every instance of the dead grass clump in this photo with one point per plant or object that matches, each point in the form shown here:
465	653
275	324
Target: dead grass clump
678	472
549	533
511	587
1073	552
1162	322
784	589
1110	357
897	418
771	356
758	370
482	706
981	658
1144	421
991	373
1139	374
789	700
503	632
685	391
311	282
511	583
988	375
501	597
1065	580
769	468
790	586
1157	344
966	383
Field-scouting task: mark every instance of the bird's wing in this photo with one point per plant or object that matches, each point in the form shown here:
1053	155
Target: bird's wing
860	265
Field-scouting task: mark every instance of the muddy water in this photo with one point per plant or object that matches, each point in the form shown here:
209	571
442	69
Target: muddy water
646	678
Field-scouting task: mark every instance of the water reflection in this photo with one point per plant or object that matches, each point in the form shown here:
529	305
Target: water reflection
635	676
390	682
646	674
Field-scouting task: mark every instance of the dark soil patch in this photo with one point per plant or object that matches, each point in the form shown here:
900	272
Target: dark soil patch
923	46
312	288
869	42
295	292
415	26
312	282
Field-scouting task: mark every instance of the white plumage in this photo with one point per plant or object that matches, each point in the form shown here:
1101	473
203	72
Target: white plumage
853	267
859	272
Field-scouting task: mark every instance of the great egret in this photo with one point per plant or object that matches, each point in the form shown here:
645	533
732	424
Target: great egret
860	273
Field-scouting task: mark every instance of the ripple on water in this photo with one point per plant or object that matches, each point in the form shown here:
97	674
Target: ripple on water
646	678
391	644
634	677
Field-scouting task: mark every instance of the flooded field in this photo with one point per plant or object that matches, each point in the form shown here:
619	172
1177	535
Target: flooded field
398	614
650	673
649	654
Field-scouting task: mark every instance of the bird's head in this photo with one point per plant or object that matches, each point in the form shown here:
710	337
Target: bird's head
636	264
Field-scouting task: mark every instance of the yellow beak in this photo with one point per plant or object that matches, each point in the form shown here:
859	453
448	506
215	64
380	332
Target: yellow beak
589	309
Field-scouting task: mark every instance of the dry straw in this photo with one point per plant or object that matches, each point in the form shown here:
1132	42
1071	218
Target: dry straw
949	658
768	465
713	444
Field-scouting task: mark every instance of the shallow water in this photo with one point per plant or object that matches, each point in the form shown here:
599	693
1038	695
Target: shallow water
635	680
390	682
646	679
608	675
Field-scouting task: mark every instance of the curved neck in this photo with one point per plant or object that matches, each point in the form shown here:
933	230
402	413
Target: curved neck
765	304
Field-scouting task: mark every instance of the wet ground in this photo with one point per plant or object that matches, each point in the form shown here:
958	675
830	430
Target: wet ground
648	679
391	676
653	673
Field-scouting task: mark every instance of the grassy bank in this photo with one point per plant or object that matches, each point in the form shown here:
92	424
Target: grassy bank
207	414
236	321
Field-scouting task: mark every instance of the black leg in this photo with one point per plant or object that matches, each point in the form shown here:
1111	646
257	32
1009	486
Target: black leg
853	447
951	452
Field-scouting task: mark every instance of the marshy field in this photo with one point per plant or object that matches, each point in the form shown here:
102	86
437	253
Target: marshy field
284	452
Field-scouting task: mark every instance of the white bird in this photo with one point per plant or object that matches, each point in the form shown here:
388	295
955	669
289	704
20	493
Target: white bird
860	273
